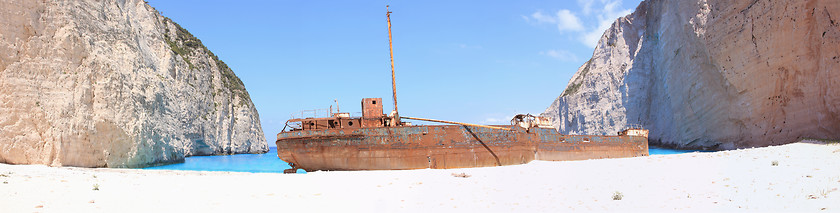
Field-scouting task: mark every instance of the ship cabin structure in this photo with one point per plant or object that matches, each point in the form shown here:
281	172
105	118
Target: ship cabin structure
634	130
372	116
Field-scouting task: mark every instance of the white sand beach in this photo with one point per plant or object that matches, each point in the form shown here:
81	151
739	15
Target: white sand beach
806	178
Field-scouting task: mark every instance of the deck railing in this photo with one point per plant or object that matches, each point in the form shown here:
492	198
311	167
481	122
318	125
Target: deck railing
312	113
634	126
319	113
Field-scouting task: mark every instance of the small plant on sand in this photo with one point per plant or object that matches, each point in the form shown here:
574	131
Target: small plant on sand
617	195
462	175
774	163
823	193
95	187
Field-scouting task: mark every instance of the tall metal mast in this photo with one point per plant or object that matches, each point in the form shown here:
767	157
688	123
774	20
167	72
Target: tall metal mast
393	79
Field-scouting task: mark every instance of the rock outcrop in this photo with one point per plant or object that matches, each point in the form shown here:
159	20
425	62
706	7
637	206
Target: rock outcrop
114	84
713	74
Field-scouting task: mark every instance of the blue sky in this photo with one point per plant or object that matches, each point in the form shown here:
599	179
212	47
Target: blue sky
468	61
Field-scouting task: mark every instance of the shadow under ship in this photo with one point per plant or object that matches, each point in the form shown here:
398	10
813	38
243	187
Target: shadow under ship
375	141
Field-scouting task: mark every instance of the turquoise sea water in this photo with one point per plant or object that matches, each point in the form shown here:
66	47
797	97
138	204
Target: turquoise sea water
269	162
663	151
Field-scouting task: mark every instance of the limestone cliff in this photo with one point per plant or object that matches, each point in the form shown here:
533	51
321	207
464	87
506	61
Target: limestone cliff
114	84
716	74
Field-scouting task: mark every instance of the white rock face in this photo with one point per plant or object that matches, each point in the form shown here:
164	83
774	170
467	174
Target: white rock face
114	84
715	74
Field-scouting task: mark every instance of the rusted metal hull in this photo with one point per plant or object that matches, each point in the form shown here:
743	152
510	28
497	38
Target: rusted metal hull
443	147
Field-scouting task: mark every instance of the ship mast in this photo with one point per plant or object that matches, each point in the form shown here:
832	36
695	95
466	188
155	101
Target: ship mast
393	79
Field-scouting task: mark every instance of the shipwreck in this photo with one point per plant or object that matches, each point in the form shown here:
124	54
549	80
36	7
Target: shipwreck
376	141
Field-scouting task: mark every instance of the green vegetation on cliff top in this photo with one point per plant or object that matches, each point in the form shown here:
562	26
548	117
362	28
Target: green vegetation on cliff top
577	82
185	45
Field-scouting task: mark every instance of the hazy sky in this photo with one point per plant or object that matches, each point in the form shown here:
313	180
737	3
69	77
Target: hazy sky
468	61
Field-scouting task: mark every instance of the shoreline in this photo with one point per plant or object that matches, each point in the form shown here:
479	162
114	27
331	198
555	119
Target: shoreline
804	177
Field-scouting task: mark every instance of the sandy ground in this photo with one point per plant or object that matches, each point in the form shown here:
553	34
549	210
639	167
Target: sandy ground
806	178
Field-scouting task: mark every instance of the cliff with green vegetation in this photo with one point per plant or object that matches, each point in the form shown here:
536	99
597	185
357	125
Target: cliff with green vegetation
114	84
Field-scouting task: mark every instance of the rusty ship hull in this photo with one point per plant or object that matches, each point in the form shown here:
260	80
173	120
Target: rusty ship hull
444	147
